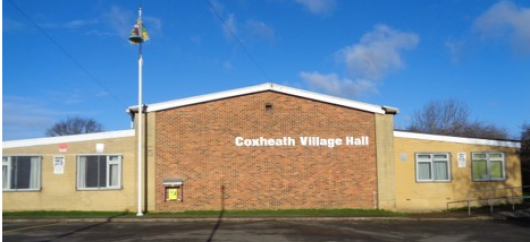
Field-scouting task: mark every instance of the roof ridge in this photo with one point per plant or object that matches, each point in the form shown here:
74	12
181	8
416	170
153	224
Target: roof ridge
267	87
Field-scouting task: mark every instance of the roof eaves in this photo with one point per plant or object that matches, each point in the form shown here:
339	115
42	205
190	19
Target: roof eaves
328	99
203	98
261	88
454	139
68	139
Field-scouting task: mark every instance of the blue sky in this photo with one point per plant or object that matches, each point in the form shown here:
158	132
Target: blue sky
78	62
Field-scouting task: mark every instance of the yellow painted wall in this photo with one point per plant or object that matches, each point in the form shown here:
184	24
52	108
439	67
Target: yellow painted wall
386	194
59	190
426	196
150	159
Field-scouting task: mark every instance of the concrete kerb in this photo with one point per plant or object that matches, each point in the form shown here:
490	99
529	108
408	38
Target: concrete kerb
191	219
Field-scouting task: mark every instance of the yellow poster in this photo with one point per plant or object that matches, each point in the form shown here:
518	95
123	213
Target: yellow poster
172	193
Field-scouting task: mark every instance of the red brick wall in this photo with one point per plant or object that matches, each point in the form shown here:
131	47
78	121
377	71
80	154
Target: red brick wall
197	143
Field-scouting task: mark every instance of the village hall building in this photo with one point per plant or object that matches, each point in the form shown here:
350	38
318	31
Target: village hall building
260	147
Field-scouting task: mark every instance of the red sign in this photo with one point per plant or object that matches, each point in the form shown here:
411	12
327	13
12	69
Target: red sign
63	148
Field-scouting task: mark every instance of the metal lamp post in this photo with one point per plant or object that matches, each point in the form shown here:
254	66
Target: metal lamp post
138	37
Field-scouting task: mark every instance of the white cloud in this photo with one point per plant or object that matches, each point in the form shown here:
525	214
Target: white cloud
72	24
11	24
335	85
506	20
218	7
24	117
78	23
228	65
195	39
456	50
260	30
366	63
152	23
318	7
102	93
229	26
243	30
377	52
119	20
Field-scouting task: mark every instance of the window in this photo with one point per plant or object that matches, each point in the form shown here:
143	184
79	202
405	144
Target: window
432	167
488	166
21	173
98	172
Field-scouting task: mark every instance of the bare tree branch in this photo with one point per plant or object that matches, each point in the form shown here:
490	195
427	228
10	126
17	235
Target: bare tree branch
452	118
74	125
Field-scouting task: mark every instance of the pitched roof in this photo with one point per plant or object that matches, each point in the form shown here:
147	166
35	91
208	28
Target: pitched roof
453	139
262	88
68	139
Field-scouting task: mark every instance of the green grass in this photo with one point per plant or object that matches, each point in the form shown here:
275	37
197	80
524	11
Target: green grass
287	212
65	213
283	212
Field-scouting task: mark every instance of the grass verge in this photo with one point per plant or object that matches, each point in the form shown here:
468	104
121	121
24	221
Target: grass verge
283	212
65	213
288	212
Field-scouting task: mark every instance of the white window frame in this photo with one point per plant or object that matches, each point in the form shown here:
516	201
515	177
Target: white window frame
111	162
432	160
108	163
8	162
488	166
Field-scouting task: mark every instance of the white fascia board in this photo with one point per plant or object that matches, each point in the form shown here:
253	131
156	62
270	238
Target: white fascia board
328	99
452	139
204	98
261	88
68	139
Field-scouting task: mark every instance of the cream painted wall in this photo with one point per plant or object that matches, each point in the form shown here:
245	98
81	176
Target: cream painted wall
386	171
59	190
425	196
401	193
151	154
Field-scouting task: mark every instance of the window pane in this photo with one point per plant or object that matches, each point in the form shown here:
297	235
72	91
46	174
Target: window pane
13	173
103	171
23	172
114	159
440	171
496	156
81	172
114	175
479	156
424	157
34	179
5	174
496	170
424	171
99	171
91	172
480	170
440	157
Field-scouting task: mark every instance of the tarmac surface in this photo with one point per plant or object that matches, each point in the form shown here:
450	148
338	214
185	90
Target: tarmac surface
446	227
286	230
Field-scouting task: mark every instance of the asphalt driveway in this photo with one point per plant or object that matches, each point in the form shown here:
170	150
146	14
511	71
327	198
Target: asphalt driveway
432	231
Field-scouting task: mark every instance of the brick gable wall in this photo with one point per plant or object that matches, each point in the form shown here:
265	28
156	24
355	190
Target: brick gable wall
197	144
